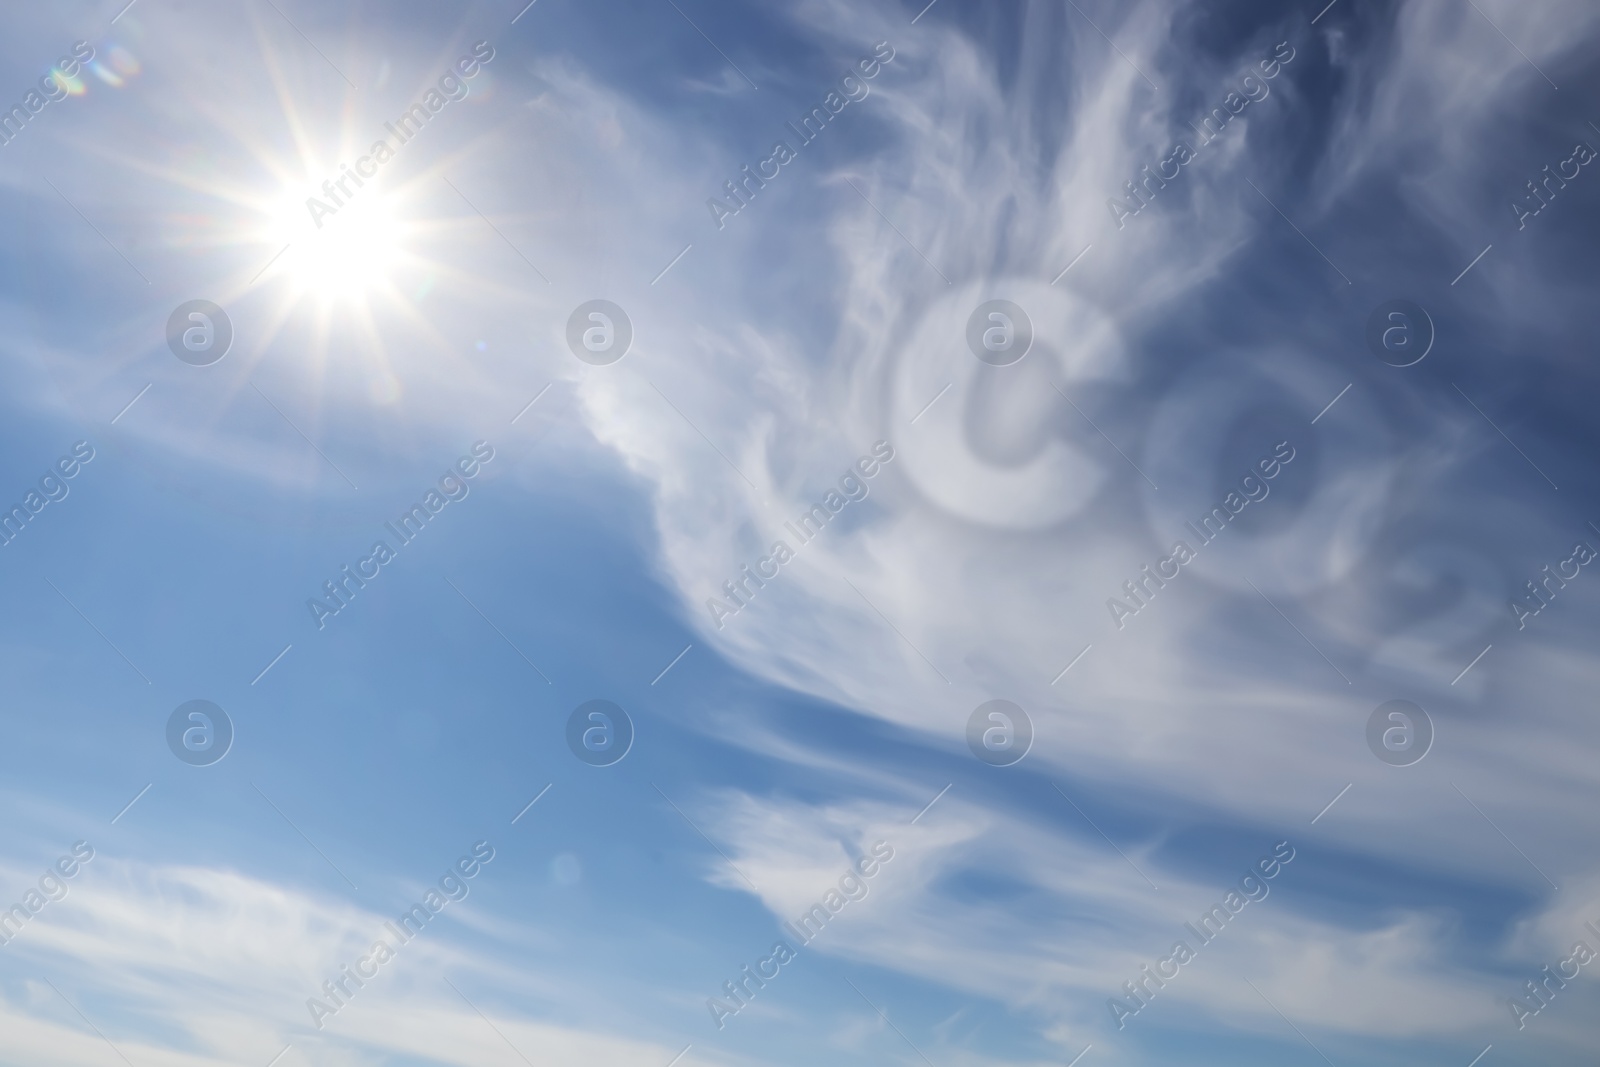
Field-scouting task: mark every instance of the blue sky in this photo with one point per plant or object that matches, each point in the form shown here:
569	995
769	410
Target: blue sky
1174	350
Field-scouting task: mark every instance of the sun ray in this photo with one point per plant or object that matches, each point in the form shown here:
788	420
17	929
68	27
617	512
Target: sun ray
342	291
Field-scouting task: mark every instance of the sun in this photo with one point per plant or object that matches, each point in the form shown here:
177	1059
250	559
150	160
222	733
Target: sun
346	257
318	238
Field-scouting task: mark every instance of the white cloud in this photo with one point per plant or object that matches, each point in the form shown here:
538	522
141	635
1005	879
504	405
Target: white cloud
1059	963
197	967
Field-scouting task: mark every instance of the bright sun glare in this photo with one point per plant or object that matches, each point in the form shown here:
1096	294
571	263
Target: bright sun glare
351	255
